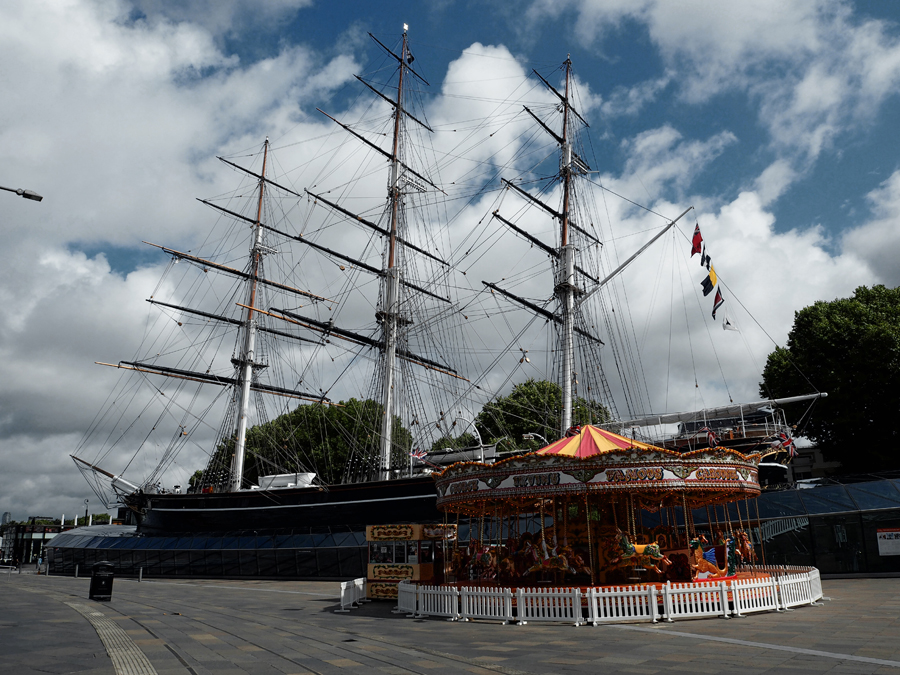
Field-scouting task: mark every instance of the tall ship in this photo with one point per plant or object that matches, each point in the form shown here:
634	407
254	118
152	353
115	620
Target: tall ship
339	340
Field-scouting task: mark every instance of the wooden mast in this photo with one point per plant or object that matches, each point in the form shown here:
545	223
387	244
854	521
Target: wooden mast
246	362
391	287
565	288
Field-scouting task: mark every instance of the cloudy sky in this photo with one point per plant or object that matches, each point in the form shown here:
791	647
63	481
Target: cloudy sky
777	121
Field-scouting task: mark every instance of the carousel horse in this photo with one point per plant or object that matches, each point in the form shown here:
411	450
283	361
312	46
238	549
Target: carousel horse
527	555
507	570
648	556
485	564
554	564
699	564
745	548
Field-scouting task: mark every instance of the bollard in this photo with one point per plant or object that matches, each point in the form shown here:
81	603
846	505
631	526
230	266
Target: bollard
140	574
76	571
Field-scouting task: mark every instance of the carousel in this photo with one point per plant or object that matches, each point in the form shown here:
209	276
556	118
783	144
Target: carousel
597	508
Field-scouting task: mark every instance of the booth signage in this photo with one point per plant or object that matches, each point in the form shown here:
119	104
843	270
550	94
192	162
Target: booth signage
888	541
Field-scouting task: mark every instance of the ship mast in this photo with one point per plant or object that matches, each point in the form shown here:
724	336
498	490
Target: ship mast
391	286
565	287
246	362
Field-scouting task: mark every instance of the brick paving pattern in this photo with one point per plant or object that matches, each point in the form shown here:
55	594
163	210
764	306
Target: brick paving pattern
238	627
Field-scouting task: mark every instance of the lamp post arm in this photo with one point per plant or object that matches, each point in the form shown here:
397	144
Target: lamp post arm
27	194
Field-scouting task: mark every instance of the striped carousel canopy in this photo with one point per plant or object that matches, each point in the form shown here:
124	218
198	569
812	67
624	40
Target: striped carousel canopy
588	441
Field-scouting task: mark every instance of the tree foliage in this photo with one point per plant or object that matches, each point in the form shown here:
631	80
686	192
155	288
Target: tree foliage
315	437
533	406
849	348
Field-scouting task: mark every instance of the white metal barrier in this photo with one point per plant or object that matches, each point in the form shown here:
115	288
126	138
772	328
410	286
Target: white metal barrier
438	601
549	604
352	593
629	603
361	594
815	586
684	601
486	603
793	590
407	594
754	595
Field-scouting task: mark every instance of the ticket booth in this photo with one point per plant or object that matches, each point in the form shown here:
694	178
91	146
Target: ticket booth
400	552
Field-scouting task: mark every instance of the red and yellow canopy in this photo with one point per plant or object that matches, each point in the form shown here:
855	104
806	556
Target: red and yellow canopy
591	441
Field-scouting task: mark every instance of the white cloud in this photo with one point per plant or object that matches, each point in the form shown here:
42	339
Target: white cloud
662	157
815	69
632	100
222	17
878	241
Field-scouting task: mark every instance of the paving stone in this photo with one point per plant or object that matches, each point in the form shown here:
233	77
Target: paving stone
238	627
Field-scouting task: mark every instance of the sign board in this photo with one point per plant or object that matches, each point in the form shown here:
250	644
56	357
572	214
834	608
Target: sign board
889	541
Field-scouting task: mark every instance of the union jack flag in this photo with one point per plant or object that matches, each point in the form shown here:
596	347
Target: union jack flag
711	437
785	442
418	453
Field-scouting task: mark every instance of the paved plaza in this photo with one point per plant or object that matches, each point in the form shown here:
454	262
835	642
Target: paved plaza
224	627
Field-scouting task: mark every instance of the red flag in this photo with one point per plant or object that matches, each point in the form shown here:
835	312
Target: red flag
719	301
696	241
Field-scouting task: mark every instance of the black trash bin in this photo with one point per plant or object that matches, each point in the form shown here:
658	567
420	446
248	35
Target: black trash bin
102	574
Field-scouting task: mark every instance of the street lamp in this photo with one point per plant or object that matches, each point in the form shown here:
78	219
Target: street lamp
27	194
86	512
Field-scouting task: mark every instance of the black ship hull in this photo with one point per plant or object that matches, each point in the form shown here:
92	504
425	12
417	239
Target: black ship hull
354	505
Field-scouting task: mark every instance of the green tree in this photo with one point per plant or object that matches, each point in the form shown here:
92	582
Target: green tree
335	441
849	348
535	407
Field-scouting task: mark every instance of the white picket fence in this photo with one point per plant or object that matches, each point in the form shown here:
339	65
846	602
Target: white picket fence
689	601
352	593
438	601
627	603
793	590
486	603
784	589
754	595
549	604
815	586
407	599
